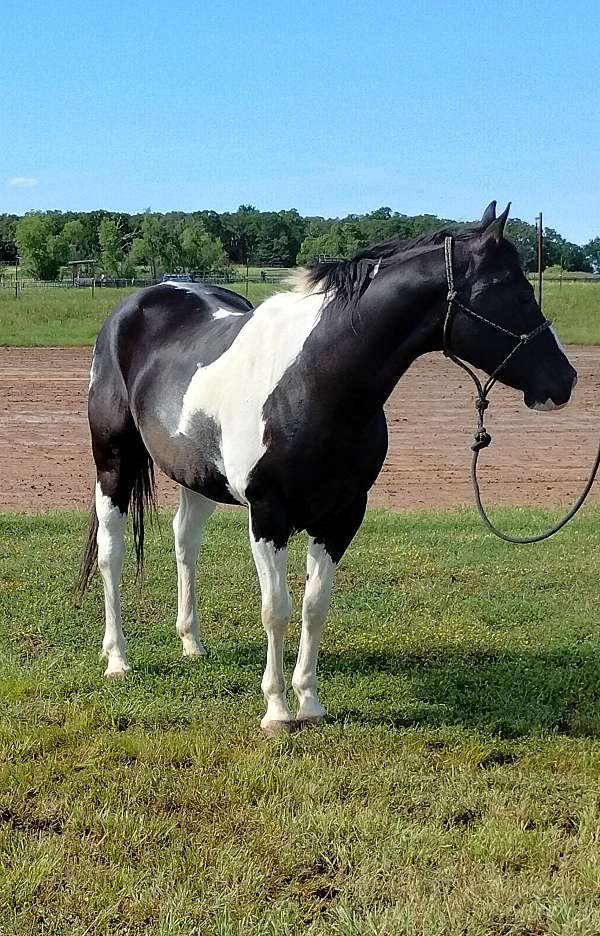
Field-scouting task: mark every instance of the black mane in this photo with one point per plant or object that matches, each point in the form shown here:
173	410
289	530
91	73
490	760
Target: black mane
347	280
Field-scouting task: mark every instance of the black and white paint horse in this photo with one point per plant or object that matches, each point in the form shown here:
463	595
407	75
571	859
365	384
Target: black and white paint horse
280	408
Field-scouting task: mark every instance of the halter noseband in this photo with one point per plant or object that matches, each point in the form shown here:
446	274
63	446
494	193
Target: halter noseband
482	436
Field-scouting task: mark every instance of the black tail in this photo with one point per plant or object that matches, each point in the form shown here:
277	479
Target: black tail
143	498
90	554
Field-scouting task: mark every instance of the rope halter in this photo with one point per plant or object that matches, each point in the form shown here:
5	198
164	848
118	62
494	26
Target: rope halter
482	436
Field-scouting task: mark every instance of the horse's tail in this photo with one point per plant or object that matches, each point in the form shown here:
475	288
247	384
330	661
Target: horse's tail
142	500
90	553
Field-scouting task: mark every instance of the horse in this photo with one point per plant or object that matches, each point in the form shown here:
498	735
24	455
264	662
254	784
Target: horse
281	409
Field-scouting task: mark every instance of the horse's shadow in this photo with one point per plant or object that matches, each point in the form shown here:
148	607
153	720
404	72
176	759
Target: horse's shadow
510	693
507	692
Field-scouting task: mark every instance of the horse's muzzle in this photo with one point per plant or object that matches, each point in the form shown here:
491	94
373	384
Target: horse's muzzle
555	400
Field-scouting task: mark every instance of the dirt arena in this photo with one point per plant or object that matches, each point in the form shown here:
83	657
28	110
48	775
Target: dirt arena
535	458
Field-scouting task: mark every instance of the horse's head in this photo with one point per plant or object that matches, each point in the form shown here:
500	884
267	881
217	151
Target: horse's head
490	281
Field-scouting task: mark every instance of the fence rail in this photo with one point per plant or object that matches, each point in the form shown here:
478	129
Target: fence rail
10	281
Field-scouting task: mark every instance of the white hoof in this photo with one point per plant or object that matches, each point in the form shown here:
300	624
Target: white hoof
193	647
275	729
116	668
311	721
311	712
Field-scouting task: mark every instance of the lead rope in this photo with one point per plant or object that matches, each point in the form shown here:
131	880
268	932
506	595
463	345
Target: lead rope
482	436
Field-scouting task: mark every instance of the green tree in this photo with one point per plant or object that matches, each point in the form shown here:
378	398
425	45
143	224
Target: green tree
73	238
150	246
341	242
241	233
8	243
200	250
112	253
42	251
523	236
592	253
575	257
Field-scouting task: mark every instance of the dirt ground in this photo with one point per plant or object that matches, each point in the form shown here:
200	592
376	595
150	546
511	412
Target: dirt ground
535	458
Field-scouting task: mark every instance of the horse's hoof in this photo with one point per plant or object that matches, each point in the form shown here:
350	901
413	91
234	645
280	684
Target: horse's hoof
197	650
117	670
275	729
312	721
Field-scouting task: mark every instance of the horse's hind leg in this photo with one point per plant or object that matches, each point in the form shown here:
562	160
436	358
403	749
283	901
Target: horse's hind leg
188	523
120	456
111	550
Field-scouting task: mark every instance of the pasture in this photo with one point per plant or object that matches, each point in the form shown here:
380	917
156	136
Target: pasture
71	317
455	789
51	317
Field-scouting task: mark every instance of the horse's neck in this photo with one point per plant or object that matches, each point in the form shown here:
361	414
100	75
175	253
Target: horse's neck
399	318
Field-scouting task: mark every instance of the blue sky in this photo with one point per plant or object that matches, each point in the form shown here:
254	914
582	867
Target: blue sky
328	108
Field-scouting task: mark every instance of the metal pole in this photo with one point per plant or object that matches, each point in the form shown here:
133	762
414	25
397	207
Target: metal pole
562	267
17	258
540	250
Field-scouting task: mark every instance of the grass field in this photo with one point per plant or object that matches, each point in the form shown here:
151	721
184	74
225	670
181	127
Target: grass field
72	317
575	310
51	317
456	789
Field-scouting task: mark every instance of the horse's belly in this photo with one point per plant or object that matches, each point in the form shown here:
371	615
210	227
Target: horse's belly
195	462
229	428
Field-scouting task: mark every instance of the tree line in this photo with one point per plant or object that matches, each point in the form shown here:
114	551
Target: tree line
200	241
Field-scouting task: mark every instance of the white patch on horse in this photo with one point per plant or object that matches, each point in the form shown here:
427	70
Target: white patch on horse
225	313
233	389
276	606
188	524
92	368
320	570
111	552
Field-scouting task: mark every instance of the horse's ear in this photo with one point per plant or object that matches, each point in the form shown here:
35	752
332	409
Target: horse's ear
494	232
488	216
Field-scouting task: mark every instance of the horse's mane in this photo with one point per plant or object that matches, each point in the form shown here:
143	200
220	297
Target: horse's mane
347	280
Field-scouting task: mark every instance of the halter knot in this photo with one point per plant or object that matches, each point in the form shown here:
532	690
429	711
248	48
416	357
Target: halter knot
482	440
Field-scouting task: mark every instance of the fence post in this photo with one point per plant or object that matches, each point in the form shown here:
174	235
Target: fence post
540	250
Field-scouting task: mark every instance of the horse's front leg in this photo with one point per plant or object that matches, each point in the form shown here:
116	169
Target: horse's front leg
325	549
320	570
271	565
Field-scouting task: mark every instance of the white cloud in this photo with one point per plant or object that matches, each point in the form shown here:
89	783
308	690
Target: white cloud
22	182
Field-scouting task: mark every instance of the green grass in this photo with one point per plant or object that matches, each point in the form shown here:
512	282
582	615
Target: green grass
456	789
575	310
51	317
72	317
